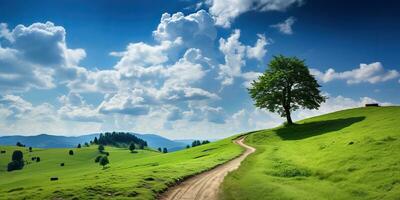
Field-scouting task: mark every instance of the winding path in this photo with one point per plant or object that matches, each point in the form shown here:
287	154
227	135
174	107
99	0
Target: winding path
205	186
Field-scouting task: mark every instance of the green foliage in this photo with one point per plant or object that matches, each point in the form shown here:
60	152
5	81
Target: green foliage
19	144
104	161
17	155
79	146
98	159
37	159
286	86
30	149
119	139
198	142
101	148
165	150
350	154
17	162
159	149
71	153
132	147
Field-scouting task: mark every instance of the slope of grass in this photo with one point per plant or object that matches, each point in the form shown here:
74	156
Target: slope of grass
350	154
138	175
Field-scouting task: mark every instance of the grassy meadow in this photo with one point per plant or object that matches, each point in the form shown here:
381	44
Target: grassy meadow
140	175
350	154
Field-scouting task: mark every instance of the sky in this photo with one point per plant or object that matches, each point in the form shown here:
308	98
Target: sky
181	68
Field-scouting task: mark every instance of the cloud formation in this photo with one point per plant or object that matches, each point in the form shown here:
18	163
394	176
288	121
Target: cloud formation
225	11
36	56
285	27
366	73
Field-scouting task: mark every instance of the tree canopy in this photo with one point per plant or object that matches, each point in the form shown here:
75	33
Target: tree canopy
286	86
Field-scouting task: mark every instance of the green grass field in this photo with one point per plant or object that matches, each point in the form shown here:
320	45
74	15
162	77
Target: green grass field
350	154
138	175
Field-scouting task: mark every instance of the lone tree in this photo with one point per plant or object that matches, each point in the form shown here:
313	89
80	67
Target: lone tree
285	87
71	152
159	149
30	149
101	148
165	150
132	147
17	161
104	161
79	146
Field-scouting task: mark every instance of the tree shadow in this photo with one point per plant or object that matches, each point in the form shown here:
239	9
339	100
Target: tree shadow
311	129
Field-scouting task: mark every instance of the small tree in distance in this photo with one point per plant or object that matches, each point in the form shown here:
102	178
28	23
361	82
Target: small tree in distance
132	147
286	86
159	149
165	150
71	153
104	161
79	146
101	148
30	149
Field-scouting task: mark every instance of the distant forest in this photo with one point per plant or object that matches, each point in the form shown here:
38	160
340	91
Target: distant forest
119	139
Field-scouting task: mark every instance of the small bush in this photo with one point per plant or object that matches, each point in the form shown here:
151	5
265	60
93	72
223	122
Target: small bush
79	146
30	149
71	153
101	148
37	159
97	159
15	165
104	161
17	155
62	164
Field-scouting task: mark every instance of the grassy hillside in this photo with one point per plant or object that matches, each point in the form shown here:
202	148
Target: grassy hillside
351	154
138	175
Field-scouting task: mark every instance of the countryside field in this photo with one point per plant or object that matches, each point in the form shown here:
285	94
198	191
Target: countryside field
140	175
350	154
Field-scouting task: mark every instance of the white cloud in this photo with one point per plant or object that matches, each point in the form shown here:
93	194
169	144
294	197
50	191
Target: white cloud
195	30
225	11
370	73
35	56
258	51
285	27
235	54
76	109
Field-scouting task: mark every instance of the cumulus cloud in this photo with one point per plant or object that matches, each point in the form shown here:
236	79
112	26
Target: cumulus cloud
366	73
76	109
285	27
235	55
225	11
195	30
34	55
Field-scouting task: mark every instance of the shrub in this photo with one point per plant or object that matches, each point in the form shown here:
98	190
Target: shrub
79	146
30	149
17	155
71	153
165	150
86	144
187	146
97	159
132	147
15	165
33	158
62	164
104	161
37	159
159	149
101	148
19	144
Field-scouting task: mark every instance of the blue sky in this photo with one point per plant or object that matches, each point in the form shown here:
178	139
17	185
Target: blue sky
76	67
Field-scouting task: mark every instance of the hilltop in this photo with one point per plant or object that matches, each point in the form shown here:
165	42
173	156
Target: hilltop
350	154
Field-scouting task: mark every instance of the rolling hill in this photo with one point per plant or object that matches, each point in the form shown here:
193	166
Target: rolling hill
350	154
140	175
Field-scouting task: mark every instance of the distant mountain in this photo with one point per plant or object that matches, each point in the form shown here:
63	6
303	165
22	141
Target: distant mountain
55	141
47	141
156	141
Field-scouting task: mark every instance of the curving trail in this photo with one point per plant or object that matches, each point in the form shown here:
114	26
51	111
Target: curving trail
205	186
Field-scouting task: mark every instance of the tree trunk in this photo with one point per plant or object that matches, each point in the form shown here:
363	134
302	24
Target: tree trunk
288	117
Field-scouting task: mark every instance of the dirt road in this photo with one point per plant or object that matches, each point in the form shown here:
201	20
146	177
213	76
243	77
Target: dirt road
205	186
